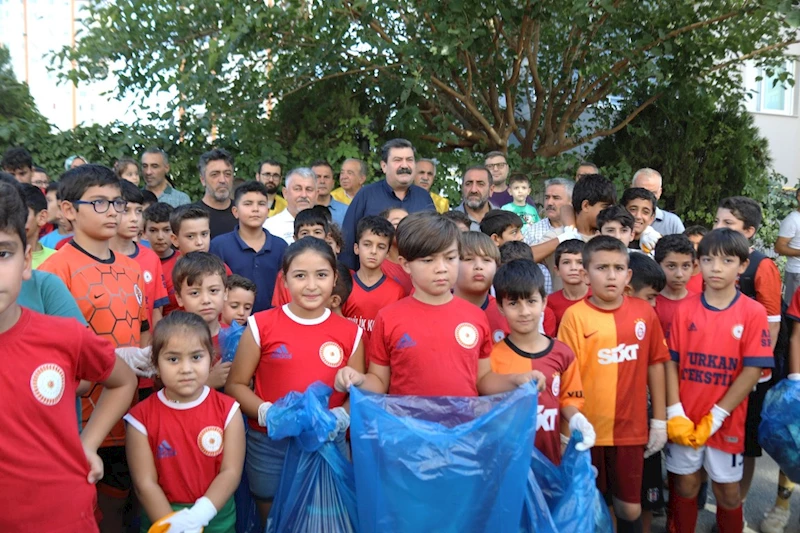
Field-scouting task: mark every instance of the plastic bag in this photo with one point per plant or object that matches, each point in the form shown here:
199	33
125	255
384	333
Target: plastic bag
317	487
441	464
779	431
564	497
229	341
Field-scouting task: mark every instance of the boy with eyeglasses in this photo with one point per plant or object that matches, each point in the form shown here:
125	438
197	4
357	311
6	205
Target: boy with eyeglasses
108	288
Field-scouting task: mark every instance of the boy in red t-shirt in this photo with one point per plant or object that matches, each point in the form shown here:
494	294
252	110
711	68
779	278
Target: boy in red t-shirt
158	232
569	267
48	469
200	280
372	289
430	321
695	235
719	342
391	266
676	256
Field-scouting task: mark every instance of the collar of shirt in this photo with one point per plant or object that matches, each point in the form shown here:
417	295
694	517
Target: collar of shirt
659	213
411	192
267	247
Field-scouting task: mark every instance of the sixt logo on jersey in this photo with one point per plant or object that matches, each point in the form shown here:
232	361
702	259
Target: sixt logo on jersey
619	354
545	418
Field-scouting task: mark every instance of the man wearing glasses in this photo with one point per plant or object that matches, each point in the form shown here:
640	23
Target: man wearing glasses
498	166
269	173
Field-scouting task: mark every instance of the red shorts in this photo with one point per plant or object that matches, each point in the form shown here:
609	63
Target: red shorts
619	472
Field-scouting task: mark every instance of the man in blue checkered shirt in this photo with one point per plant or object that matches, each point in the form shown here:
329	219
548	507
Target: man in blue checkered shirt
557	193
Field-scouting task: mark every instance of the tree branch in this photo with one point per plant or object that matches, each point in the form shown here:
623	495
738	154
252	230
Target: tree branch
340	74
752	54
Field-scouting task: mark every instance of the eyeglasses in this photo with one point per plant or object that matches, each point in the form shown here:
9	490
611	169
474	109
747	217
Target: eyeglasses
270	175
101	206
40	184
496	166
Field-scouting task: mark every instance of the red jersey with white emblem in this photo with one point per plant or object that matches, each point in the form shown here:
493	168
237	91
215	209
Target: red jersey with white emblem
155	286
665	309
432	350
296	352
563	387
396	273
187	440
497	322
711	346
43	471
364	302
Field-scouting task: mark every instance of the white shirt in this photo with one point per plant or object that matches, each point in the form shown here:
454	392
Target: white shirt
281	225
790	229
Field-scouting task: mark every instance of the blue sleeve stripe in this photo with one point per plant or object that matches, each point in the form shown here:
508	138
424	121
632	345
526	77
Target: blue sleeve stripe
675	355
760	362
161	303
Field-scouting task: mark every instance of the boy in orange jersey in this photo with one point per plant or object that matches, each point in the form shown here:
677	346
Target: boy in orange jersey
621	352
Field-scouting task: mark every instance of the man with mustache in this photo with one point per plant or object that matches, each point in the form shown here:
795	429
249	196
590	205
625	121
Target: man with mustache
216	175
397	190
425	175
351	178
300	193
557	194
269	173
476	188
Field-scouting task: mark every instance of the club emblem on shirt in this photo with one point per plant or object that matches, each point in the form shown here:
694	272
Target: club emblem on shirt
210	441
498	335
467	335
138	292
331	354
47	383
640	329
556	387
737	331
148	277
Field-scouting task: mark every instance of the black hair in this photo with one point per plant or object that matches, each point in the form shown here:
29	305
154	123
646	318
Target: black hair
149	197
249	186
677	243
311	217
496	221
395	143
344	283
691	231
34	197
517	280
587	164
724	242
458	216
235	281
512	250
323	210
602	243
9	178
178	324
16	158
320	163
593	188
570	246
272	162
37	168
376	225
518	177
745	209
638	193
308	244
425	233
130	192
335	233
13	213
52	186
215	154
75	182
615	213
158	213
186	212
646	273
194	266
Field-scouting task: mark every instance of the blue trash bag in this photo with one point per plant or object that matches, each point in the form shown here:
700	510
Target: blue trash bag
565	497
441	464
229	341
317	487
779	431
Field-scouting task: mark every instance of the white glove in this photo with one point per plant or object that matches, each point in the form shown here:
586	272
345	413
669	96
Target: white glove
262	413
578	422
648	240
139	359
793	377
342	422
718	416
191	520
569	233
657	438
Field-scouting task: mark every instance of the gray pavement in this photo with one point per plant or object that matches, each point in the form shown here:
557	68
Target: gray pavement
760	499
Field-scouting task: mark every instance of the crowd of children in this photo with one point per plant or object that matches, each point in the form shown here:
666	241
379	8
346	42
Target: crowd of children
641	343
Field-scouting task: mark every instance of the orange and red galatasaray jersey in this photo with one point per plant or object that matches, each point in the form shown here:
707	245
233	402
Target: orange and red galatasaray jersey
665	309
497	322
563	387
364	302
43	472
711	346
187	440
155	286
431	350
614	349
296	352
396	273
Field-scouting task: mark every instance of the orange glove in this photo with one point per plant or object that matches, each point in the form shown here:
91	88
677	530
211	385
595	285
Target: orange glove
710	424
680	429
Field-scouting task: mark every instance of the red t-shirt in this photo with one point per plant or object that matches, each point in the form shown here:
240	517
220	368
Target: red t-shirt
793	313
364	302
166	268
281	295
186	439
665	309
563	387
43	473
558	303
155	286
296	352
432	350
695	284
711	346
497	322
400	276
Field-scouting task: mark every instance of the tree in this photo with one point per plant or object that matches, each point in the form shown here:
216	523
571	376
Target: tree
20	119
538	77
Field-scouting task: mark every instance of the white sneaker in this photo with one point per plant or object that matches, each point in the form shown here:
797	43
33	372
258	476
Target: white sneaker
775	520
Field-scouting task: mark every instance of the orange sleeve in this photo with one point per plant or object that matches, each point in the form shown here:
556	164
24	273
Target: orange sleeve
768	289
568	332
571	387
659	353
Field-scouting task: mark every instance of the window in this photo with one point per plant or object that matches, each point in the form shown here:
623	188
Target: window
767	93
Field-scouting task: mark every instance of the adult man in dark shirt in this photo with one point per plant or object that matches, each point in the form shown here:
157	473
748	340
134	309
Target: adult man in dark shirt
216	175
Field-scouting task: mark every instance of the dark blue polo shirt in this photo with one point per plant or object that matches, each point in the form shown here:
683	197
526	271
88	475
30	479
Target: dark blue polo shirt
260	266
